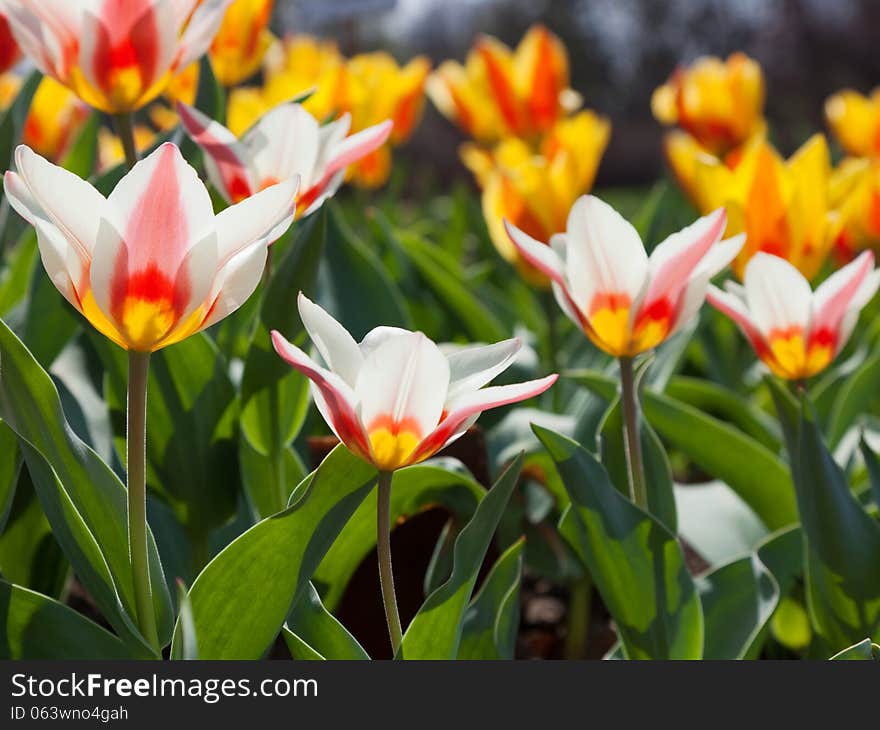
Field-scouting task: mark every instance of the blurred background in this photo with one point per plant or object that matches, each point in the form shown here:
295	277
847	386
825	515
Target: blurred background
620	50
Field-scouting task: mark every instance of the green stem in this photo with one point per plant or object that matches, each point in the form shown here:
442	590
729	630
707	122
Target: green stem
634	462
136	461
578	622
383	545
125	131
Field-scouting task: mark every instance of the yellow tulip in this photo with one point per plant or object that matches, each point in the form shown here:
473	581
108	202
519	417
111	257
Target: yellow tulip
242	41
855	196
500	92
719	103
532	191
783	206
854	120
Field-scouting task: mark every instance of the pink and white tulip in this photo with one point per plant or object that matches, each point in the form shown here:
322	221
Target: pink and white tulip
624	300
797	332
116	55
395	398
285	142
151	264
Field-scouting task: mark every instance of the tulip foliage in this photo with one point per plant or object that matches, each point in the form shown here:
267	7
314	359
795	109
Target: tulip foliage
229	388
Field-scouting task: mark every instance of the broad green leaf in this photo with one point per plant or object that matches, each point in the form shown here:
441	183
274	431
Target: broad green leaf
38	627
852	399
188	646
872	464
241	599
17	273
738	600
865	649
841	543
49	321
10	463
782	553
312	632
435	631
265	485
82	497
192	412
13	118
414	490
636	563
612	447
492	620
749	468
354	286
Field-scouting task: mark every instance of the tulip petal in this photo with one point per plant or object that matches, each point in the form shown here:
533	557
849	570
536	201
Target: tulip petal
470	368
67	201
605	255
200	31
403	383
540	255
226	159
777	294
722	254
358	145
161	208
336	345
55	255
378	336
833	297
734	307
334	397
864	295
690	300
284	143
473	403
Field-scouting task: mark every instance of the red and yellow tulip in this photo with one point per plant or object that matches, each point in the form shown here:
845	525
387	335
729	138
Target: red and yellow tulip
796	332
625	301
536	191
396	398
854	120
718	103
783	206
242	41
500	92
116	56
151	264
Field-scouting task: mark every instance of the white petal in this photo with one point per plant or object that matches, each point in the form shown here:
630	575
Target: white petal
404	379
692	299
777	294
236	281
377	336
605	254
336	345
540	255
834	296
284	143
470	368
200	31
55	253
721	254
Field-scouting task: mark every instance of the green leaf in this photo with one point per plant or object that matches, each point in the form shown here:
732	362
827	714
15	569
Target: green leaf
435	631
17	272
492	620
241	599
872	464
749	468
46	304
738	600
80	159
192	412
354	285
852	399
865	649
842	542
612	447
82	497
312	632
188	646
13	118
636	563
416	488
264	485
10	463
38	627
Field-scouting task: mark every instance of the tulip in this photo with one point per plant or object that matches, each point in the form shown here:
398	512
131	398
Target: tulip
500	93
286	142
625	301
147	266
854	120
720	104
116	56
54	119
535	192
855	198
396	399
8	46
797	332
242	41
782	206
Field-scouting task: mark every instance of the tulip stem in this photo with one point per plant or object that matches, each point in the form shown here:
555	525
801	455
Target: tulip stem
383	546
630	403
125	131
136	465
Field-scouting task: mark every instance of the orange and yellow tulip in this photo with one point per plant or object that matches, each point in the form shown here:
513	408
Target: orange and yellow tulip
242	41
855	197
782	205
854	120
719	103
536	191
500	92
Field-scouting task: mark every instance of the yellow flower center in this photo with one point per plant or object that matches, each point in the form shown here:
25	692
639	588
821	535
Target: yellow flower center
393	443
